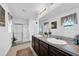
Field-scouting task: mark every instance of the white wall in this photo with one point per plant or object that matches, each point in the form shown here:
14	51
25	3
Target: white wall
33	28
5	36
61	31
25	28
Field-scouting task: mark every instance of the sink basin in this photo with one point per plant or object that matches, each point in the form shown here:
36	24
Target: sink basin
38	35
56	41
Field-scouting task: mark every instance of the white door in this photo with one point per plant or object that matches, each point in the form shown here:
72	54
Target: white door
18	33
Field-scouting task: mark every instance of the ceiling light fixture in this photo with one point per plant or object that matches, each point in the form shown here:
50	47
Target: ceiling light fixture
43	11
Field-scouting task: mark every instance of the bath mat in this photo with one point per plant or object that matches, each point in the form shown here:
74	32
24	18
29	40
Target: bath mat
24	52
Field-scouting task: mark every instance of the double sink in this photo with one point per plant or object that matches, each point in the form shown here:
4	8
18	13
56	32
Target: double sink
54	40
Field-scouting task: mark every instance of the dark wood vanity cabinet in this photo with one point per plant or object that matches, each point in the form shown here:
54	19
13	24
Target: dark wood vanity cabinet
43	49
32	42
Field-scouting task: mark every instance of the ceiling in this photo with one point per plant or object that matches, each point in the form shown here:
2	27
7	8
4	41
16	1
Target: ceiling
29	10
25	10
64	7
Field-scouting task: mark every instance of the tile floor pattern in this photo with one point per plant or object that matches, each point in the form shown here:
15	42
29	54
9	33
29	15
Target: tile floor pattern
13	50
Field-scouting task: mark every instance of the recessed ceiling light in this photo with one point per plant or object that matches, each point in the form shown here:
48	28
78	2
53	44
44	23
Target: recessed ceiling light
51	3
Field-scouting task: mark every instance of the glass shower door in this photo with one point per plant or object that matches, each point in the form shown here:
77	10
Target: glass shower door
18	33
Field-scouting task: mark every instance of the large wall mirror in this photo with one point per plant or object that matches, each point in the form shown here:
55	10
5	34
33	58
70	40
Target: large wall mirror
40	28
46	26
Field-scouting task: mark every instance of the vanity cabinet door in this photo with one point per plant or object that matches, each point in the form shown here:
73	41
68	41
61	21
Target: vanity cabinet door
32	42
57	52
43	51
36	46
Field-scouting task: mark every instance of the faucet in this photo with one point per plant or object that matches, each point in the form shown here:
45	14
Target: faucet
48	34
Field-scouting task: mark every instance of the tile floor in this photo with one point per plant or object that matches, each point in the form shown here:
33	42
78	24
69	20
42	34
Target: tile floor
12	51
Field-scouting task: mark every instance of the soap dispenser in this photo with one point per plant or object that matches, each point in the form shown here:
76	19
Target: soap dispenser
76	40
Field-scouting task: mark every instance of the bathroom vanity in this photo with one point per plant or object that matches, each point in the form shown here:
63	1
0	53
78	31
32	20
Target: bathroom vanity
44	48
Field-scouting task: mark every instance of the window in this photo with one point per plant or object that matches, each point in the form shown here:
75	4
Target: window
2	16
69	21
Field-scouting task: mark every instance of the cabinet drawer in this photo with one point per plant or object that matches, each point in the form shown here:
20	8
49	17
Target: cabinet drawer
44	44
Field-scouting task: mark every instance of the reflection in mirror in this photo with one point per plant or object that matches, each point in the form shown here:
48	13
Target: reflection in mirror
54	25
